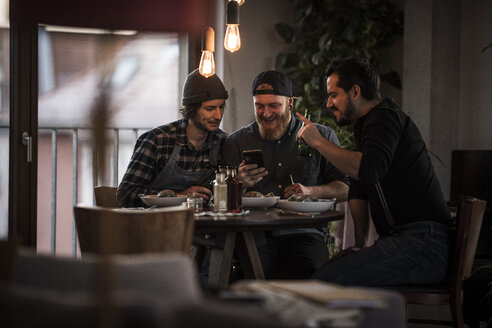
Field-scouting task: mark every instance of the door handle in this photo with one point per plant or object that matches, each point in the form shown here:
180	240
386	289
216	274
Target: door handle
27	141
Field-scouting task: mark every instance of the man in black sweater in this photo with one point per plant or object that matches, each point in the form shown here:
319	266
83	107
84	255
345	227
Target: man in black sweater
392	177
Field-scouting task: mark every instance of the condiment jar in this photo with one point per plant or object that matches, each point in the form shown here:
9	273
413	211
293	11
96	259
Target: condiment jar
195	202
220	192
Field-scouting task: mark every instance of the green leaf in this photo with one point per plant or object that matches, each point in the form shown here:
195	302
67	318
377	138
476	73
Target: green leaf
292	60
280	61
285	32
314	82
324	29
308	10
325	42
317	58
286	60
487	47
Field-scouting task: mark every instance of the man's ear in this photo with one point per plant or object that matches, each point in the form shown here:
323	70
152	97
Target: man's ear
291	103
356	89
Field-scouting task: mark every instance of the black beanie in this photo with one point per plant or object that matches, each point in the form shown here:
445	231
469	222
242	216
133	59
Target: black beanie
198	88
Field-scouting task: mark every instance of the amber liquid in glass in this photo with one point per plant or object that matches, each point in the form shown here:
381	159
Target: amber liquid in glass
234	191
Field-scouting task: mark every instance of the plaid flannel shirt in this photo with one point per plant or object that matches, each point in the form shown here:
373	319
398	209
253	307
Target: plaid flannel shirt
151	154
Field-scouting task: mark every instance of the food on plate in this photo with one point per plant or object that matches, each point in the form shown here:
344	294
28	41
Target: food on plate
302	198
258	194
253	194
166	193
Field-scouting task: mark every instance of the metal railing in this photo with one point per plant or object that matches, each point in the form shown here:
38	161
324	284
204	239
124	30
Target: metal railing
76	158
75	172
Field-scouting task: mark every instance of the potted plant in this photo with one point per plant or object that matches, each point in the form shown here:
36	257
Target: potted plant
323	30
327	29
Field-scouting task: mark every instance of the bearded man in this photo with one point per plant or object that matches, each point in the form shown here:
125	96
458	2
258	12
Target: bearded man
181	154
392	179
274	132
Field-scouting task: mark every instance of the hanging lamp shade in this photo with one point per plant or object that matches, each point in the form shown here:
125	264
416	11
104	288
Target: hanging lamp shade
207	61
208	39
232	13
240	2
232	39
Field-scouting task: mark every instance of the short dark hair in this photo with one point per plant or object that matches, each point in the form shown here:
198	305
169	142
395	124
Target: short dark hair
352	71
189	111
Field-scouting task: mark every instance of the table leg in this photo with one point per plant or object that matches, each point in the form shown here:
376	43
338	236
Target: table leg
199	249
221	262
198	255
248	256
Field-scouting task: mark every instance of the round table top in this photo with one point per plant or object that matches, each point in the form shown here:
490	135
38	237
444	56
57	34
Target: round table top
265	219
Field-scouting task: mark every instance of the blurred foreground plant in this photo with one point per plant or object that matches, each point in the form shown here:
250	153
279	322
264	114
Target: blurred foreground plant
101	111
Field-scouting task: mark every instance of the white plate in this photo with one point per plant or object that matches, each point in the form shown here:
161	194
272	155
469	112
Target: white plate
308	207
153	200
259	202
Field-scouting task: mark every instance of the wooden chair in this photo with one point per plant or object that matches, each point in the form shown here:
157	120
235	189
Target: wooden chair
469	217
106	196
124	231
169	275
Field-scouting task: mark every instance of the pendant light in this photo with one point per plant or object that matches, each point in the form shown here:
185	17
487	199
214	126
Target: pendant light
240	2
207	62
232	40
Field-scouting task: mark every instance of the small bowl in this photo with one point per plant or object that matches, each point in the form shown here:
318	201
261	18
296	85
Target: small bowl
259	202
153	200
307	207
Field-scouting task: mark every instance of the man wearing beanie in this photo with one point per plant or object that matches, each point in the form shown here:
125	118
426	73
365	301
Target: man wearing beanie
274	132
181	154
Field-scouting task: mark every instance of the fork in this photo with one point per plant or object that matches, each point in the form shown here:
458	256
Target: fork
281	211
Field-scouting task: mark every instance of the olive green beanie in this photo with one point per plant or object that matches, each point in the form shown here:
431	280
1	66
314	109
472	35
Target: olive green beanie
198	88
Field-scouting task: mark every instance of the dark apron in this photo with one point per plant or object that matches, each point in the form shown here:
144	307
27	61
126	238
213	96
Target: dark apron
176	178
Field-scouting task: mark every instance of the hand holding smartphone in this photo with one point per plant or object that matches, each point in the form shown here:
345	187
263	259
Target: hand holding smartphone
253	156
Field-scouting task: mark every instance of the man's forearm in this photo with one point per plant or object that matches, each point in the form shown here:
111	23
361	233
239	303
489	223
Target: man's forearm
128	193
128	196
346	161
360	215
336	189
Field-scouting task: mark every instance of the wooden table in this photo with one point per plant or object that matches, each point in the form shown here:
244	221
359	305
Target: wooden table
238	236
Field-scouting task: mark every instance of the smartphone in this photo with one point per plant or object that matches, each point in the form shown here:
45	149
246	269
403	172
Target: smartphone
253	156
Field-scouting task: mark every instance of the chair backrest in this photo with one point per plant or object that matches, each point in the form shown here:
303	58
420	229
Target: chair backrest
469	218
167	275
106	196
128	231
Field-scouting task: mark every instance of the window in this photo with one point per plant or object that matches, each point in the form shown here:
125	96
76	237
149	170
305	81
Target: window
141	73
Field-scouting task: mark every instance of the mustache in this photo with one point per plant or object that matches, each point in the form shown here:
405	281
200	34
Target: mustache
271	118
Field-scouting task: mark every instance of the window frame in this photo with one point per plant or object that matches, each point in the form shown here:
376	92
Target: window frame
187	16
